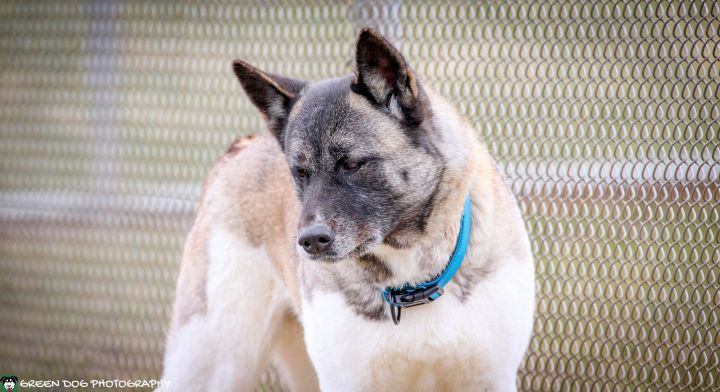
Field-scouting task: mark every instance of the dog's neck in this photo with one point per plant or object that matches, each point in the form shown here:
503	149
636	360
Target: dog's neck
428	256
418	257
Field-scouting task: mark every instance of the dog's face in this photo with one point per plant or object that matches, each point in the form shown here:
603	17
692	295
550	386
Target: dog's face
358	148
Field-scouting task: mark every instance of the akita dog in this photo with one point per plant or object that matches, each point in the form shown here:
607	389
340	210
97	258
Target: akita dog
370	195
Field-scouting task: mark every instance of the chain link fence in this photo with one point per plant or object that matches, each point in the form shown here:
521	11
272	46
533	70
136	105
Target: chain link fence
604	116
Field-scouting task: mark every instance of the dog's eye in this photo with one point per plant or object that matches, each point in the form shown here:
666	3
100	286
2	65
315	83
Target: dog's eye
349	165
300	172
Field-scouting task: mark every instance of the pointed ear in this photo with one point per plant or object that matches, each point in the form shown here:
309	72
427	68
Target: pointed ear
383	76
273	95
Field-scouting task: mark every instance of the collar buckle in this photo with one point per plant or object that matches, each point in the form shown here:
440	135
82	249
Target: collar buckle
407	298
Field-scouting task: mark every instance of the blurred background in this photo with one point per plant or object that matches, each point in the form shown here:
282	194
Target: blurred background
604	116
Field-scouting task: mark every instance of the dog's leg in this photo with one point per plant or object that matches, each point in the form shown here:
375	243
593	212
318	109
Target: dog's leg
291	357
227	347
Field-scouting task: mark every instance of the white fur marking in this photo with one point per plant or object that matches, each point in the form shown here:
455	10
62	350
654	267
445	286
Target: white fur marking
228	346
394	108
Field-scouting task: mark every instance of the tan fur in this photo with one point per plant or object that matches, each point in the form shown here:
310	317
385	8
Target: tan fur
260	208
190	297
249	193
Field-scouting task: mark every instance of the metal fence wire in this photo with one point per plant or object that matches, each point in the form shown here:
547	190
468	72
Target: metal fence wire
604	116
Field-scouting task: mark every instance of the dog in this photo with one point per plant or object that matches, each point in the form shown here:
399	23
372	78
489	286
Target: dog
366	242
9	382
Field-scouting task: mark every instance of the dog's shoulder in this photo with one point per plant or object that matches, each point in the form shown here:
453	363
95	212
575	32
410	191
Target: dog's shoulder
249	191
244	165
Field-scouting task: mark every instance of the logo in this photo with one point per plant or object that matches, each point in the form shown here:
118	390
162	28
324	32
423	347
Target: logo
9	383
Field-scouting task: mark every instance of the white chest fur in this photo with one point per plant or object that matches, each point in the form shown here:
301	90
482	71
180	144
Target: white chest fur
477	344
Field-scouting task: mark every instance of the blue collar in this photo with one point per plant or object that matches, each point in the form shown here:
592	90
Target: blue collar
408	296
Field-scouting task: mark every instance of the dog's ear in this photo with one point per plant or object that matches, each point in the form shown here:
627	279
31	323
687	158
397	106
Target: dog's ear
383	76
273	95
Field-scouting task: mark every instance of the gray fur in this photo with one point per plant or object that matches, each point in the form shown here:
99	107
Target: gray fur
361	292
391	191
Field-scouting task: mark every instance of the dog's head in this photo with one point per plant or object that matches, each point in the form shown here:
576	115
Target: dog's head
360	149
9	382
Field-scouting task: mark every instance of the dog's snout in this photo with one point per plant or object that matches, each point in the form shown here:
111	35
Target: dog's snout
316	239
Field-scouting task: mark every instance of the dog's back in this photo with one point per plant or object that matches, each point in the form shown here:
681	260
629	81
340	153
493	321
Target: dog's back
237	295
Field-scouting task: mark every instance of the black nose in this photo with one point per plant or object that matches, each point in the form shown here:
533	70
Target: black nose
316	239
